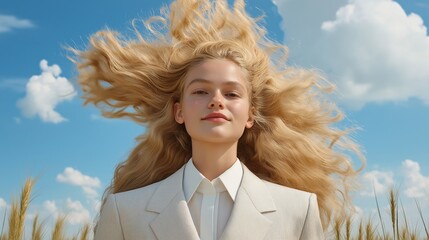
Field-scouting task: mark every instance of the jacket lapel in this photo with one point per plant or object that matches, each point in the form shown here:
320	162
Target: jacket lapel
174	220
247	220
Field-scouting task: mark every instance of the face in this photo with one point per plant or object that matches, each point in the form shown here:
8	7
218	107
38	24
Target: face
215	104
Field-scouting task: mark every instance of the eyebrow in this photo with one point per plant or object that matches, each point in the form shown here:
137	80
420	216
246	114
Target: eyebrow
205	81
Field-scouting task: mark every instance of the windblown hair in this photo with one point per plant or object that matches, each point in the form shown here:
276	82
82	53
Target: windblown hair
293	141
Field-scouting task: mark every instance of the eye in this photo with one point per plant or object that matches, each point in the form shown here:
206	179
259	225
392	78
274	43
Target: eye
232	95
199	92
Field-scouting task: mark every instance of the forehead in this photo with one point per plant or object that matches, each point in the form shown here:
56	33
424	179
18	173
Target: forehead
216	71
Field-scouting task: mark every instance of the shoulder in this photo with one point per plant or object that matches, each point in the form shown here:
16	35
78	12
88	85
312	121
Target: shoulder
140	198
285	192
291	199
126	214
127	204
139	193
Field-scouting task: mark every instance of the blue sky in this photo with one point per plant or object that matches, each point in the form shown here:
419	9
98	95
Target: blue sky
376	51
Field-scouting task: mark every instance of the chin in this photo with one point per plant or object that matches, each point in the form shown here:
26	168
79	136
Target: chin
217	139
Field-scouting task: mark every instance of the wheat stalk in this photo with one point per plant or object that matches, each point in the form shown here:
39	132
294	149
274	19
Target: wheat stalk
37	232
13	220
403	233
423	220
405	229
58	232
2	227
379	212
337	228
85	232
393	201
369	230
25	202
348	227
19	210
360	231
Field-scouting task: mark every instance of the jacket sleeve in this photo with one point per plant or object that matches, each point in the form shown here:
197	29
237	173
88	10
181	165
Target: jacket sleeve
312	228
109	224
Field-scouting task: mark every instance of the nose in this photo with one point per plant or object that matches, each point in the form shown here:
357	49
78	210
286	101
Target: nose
217	101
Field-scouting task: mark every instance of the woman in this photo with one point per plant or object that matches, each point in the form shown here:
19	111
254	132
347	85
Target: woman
237	144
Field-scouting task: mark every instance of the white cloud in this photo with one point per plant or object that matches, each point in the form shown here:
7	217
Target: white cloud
76	213
90	192
371	49
44	92
377	181
9	22
51	207
416	184
76	178
3	204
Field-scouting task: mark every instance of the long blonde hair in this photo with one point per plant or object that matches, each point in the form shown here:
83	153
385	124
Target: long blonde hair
293	141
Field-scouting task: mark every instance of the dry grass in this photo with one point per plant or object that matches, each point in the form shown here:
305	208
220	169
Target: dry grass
2	226
337	228
58	232
348	228
379	214
423	220
19	211
360	231
84	235
37	231
393	201
369	230
342	229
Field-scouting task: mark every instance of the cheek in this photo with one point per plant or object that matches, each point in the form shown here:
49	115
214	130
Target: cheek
194	103
240	109
191	106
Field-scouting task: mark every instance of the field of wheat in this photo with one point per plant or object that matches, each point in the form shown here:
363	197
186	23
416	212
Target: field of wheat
348	230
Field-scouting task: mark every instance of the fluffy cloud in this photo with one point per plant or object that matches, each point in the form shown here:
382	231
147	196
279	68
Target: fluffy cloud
3	204
44	92
377	181
371	49
76	178
416	184
76	213
8	22
51	207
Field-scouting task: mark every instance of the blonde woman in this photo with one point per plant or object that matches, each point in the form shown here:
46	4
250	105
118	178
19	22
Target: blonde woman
237	144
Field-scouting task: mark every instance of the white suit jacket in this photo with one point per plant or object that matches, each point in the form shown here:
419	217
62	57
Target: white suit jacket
262	210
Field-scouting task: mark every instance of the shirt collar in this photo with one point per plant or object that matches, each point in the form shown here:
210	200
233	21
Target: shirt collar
231	179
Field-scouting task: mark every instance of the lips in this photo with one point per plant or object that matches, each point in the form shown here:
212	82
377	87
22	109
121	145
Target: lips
214	116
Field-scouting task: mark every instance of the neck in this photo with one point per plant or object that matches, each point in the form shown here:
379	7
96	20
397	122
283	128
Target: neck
213	159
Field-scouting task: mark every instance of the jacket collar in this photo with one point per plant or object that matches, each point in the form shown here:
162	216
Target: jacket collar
175	222
248	218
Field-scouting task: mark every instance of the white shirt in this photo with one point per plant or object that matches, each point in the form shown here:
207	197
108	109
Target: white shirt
210	203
